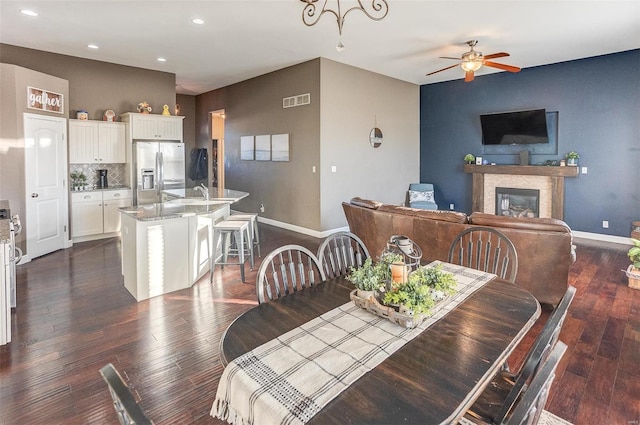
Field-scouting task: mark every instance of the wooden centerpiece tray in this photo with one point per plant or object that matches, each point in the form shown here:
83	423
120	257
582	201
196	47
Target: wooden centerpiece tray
372	305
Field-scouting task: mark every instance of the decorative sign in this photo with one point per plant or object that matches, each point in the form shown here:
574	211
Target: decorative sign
44	100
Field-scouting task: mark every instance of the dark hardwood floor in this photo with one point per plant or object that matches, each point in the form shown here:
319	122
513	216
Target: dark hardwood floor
74	316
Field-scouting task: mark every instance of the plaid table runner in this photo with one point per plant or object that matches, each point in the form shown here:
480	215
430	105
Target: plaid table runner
291	378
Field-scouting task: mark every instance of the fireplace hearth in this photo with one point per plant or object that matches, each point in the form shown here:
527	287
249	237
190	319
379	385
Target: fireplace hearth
514	202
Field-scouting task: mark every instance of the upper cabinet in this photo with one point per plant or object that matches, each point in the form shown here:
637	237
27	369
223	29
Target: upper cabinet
92	142
154	127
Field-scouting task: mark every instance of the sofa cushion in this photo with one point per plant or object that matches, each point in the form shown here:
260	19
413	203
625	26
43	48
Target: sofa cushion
366	203
541	224
449	216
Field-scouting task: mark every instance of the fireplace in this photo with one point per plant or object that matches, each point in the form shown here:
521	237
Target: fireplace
515	202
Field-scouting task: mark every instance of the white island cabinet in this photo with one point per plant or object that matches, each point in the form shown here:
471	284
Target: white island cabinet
166	246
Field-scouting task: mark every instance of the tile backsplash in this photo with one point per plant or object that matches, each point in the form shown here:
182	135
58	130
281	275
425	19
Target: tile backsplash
115	174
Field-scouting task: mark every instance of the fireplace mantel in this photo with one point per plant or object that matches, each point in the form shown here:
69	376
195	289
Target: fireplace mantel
554	173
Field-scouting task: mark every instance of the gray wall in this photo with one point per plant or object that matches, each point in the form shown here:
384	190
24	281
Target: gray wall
13	104
598	104
253	107
353	101
332	131
97	86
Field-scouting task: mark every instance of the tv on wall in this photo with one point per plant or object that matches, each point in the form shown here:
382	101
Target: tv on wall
514	128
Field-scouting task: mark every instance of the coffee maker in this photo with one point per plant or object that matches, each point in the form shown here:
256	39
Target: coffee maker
102	179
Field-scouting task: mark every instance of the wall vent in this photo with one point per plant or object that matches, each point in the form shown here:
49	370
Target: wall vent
299	100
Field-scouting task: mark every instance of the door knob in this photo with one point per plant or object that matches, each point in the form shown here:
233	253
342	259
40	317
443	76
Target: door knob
34	195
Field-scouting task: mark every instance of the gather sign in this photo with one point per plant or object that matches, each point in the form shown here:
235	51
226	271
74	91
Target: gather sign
45	100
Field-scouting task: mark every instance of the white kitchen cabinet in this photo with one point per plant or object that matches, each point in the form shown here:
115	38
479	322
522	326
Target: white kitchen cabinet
95	214
154	127
92	142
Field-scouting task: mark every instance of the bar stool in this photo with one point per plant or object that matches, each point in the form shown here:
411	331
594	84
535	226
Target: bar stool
253	227
222	232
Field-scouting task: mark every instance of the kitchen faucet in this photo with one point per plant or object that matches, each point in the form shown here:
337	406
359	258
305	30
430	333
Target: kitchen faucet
205	192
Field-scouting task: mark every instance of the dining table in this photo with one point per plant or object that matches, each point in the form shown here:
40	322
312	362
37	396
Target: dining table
432	379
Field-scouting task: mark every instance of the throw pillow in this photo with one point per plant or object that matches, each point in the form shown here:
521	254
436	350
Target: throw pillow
416	196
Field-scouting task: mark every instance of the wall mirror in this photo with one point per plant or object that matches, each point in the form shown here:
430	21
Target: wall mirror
375	137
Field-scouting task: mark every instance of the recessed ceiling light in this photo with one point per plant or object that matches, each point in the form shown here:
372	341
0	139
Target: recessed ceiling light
93	46
197	21
28	12
161	60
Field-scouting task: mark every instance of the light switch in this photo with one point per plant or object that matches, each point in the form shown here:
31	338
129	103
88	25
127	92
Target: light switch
584	170
334	168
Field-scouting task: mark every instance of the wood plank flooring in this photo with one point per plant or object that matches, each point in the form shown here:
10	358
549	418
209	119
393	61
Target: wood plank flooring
74	316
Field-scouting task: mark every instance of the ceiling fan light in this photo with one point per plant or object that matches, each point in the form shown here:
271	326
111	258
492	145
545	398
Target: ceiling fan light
470	65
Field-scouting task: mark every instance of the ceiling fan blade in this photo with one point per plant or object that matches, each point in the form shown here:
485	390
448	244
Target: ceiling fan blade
468	76
449	57
502	66
443	69
496	55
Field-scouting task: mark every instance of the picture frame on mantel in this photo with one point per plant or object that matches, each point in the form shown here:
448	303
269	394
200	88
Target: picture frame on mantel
550	148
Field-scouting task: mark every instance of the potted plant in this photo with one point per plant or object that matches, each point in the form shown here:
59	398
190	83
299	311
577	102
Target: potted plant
425	287
572	158
633	272
469	159
369	277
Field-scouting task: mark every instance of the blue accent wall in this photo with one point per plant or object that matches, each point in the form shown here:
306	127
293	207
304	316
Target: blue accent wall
598	104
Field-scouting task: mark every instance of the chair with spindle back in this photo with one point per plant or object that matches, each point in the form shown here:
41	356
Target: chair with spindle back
341	251
486	249
285	270
128	411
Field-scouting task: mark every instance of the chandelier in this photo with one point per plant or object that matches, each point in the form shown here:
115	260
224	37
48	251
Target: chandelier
377	11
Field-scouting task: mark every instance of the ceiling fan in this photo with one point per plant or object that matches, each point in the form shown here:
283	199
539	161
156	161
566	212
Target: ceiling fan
472	61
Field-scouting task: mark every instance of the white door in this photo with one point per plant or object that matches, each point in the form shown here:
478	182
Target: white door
45	181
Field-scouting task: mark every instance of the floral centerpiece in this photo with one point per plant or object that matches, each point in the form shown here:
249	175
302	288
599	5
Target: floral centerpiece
369	277
144	108
425	287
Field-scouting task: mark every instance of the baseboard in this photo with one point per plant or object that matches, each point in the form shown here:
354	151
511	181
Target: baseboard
299	229
601	237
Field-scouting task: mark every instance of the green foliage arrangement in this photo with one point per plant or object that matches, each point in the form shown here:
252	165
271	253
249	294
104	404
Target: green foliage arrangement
423	287
469	158
634	253
572	155
370	276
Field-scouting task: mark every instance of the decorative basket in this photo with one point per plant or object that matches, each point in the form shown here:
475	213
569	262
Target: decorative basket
372	305
633	275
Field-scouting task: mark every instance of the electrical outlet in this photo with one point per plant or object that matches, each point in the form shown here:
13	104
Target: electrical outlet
261	207
313	169
334	168
452	207
605	224
584	170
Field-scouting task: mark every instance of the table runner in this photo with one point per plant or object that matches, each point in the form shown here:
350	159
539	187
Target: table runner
291	378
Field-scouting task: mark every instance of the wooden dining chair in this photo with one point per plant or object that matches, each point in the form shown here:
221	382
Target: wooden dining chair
501	395
285	270
341	251
128	411
486	249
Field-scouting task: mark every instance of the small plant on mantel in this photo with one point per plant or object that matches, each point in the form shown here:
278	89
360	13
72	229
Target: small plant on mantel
572	158
369	277
469	159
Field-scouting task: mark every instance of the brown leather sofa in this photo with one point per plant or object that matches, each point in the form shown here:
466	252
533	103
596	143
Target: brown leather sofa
544	246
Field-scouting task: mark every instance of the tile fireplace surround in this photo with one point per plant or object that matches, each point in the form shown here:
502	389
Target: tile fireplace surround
549	180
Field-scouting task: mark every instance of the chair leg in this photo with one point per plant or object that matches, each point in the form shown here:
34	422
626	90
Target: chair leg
256	235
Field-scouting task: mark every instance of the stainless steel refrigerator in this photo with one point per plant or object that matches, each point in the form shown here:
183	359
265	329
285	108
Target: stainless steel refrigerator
159	168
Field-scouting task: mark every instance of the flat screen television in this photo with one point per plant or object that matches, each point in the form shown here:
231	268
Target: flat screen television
514	128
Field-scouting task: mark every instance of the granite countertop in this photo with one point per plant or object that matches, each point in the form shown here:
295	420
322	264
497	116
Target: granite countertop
214	194
100	189
173	209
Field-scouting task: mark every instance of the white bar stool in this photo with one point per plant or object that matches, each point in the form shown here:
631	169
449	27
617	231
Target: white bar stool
253	228
222	232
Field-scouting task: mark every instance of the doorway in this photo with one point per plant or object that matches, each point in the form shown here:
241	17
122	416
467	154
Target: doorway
216	159
46	196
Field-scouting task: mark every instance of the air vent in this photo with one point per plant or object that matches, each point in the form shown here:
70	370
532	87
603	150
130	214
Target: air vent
299	100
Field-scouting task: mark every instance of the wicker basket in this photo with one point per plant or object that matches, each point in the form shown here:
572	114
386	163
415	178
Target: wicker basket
634	277
372	305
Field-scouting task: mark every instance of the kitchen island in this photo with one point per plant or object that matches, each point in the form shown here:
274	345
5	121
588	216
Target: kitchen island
166	246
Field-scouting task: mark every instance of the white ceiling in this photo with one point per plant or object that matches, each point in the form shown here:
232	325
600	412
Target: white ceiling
242	39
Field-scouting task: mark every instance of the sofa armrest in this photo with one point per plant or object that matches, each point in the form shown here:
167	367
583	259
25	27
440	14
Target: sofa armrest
366	203
543	224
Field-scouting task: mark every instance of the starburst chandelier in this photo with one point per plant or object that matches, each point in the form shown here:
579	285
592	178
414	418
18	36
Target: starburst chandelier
310	15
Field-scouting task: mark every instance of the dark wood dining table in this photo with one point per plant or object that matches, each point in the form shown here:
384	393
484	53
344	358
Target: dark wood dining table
433	379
